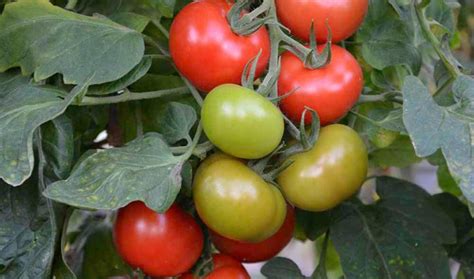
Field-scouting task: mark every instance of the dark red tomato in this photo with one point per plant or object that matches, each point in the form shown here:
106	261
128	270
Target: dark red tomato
205	49
343	16
225	266
331	90
166	244
261	251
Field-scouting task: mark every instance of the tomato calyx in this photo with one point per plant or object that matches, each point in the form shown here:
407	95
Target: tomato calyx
312	58
248	23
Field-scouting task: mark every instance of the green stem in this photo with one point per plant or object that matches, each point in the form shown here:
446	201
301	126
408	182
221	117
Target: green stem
151	41
198	151
452	69
267	4
194	144
130	96
162	29
71	4
158	56
386	97
193	90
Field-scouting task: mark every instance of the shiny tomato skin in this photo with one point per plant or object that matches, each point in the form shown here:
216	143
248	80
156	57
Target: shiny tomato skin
150	241
261	251
343	16
241	122
332	171
331	90
207	52
221	261
236	202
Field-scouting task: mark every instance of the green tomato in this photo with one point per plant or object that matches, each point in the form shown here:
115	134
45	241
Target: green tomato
383	138
241	122
332	171
236	202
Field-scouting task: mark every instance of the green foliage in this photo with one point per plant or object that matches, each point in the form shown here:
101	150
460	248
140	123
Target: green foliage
28	232
71	70
386	39
25	105
101	259
44	39
431	127
145	169
400	236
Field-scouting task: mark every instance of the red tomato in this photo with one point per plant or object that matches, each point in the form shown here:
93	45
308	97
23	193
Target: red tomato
207	52
166	244
228	272
261	251
225	267
343	16
331	90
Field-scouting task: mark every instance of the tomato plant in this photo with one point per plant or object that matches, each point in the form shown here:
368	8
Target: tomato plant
260	251
149	241
235	202
332	90
205	49
241	122
140	137
313	181
343	18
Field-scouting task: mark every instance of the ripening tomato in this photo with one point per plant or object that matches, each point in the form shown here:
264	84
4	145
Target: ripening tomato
165	244
241	122
332	171
224	267
236	202
207	52
261	251
343	16
331	90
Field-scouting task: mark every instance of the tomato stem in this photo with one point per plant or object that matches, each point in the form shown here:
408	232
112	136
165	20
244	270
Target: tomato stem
160	27
194	143
424	24
71	4
131	96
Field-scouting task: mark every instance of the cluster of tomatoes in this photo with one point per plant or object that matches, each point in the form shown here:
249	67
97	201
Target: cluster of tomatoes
249	218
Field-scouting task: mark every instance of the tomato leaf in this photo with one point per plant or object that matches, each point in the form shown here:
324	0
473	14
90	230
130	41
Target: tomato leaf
463	250
131	20
313	224
398	154
386	39
177	122
145	169
432	127
58	146
23	108
27	234
111	87
101	259
400	236
166	7
281	268
46	40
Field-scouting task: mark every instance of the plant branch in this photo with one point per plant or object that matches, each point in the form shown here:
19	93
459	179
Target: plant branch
162	29
130	96
71	4
425	27
194	143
